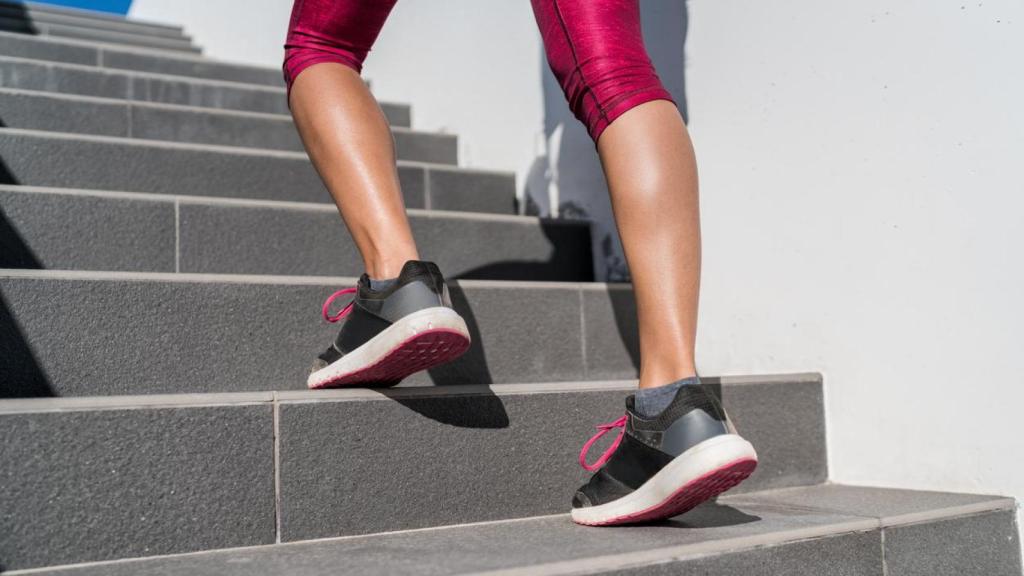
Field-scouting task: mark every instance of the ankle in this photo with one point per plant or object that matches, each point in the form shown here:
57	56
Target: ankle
656	376
388	267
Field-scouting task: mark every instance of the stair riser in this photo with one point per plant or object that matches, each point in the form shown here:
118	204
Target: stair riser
181	44
58	50
155	336
80	115
204	477
164	234
108	83
137	166
33	15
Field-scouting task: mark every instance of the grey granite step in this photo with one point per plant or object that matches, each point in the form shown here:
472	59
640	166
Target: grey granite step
86	80
48	111
29	158
107	36
40	14
132	58
158	233
146	475
145	333
937	534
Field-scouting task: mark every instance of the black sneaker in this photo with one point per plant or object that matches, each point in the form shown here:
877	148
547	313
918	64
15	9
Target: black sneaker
661	467
391	333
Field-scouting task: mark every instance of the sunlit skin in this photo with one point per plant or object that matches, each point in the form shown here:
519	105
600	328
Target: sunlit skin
648	162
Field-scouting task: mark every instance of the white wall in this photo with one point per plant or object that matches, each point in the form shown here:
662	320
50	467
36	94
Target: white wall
862	189
862	169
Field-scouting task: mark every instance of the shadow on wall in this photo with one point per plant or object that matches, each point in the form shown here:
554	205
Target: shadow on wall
15	18
567	181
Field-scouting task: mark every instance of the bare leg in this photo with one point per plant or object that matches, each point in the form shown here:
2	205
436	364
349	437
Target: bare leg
347	136
652	176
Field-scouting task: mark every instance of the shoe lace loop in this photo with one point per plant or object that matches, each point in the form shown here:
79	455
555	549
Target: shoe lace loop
326	310
602	430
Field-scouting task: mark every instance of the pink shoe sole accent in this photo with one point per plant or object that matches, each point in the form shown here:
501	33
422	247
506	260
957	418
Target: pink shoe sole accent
420	352
691	494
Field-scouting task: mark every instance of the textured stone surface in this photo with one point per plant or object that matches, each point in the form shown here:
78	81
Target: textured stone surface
181	43
472	191
191	66
612	345
25	46
62	113
982	544
225	238
207	93
854	554
528	545
174	124
63	231
785	421
67	79
122	336
530	335
890	506
111	83
427	147
194	170
82	486
440	460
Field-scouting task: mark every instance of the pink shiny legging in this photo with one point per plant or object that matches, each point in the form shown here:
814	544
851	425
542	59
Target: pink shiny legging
594	48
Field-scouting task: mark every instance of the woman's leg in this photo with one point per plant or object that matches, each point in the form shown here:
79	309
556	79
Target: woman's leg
403	322
597	53
652	177
677	448
343	128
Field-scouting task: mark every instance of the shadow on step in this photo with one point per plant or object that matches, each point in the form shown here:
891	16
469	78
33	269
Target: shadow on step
14	18
480	410
21	376
710	515
20	373
569	260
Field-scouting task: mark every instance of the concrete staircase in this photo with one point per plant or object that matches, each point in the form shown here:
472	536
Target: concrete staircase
164	249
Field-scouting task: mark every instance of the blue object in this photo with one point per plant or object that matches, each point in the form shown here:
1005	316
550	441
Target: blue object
112	6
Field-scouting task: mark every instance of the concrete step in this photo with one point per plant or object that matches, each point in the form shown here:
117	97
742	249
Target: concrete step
165	474
25	74
167	333
158	233
112	117
94	17
119	57
19	25
37	14
833	529
30	158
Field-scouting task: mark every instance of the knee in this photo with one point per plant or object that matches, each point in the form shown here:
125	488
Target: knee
605	87
302	52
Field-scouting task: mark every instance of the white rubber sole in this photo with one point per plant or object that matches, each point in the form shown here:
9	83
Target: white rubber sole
695	476
418	341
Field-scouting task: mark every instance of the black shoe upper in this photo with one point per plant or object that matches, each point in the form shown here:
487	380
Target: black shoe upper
420	285
648	445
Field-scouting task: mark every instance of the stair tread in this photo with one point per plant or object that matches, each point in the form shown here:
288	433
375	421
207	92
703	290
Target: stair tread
752	522
355	394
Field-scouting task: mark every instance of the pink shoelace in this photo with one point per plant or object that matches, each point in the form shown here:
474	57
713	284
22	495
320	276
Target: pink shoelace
602	430
344	311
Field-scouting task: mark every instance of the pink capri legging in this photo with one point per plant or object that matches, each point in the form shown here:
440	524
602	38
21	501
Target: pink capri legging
594	48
